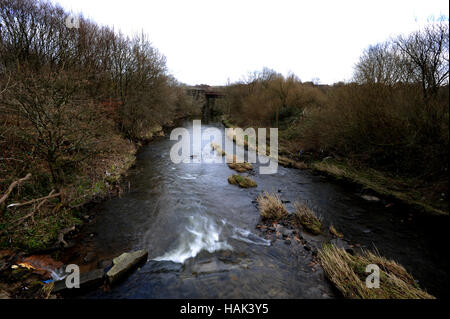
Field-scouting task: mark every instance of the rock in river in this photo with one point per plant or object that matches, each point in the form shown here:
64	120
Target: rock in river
370	198
125	263
88	280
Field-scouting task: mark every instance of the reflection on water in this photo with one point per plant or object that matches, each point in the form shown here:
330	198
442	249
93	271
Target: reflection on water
202	242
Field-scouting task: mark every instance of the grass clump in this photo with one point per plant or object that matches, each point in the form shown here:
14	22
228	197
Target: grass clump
335	233
242	181
348	273
271	207
306	217
238	167
216	147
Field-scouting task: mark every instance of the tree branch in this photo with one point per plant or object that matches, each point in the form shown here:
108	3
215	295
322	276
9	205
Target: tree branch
11	187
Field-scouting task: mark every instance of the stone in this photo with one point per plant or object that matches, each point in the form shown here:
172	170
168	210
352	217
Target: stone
163	266
213	266
88	280
125	263
370	198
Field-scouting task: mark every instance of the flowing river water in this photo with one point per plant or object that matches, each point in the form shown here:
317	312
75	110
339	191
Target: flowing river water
202	239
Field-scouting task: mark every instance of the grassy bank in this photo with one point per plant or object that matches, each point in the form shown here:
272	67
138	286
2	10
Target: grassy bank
411	192
38	226
389	134
414	192
73	112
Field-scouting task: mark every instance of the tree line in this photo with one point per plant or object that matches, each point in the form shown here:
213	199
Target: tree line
392	115
65	88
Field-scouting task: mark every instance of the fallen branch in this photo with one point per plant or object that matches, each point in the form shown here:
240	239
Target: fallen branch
35	200
11	187
36	209
10	159
64	232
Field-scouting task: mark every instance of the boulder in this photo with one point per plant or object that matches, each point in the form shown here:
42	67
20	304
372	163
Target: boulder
88	280
125	263
163	266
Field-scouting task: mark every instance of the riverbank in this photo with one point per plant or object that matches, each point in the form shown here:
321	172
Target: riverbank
413	192
43	236
145	218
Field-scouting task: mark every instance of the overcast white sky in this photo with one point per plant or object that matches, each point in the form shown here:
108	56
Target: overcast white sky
211	41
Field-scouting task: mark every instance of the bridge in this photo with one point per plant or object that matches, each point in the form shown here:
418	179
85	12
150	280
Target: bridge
209	95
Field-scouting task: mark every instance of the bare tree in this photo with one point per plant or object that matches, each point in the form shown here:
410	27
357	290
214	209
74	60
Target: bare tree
381	63
428	53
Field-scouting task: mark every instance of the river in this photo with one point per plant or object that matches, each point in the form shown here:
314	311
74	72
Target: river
202	241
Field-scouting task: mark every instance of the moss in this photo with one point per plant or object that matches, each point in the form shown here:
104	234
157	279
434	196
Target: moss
242	181
238	167
40	234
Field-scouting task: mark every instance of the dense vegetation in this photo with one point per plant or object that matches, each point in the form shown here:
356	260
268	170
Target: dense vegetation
73	100
390	123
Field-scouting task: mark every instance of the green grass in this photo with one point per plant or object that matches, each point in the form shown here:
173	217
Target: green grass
39	234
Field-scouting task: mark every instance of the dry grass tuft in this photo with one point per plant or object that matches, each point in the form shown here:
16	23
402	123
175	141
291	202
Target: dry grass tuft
271	207
242	181
334	232
218	149
347	272
238	167
307	218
